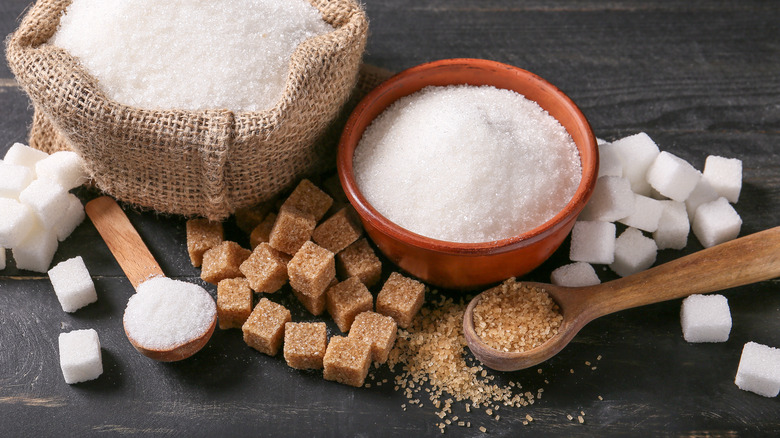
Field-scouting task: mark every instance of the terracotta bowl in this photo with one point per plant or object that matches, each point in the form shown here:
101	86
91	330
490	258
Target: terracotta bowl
468	265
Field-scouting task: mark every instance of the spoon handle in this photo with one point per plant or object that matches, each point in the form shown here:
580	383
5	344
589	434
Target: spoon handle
123	240
735	263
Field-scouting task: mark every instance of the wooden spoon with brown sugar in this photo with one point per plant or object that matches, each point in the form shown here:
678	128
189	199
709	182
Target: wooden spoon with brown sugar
163	324
735	263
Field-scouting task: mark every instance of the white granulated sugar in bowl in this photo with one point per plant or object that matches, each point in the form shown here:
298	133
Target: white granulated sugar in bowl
189	54
467	164
166	313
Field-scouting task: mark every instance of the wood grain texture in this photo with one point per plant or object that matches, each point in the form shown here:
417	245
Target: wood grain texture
700	77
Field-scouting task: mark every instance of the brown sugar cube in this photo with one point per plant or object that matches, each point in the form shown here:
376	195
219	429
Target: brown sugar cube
262	232
401	298
359	260
248	218
377	330
346	300
264	329
308	198
305	344
315	305
266	269
338	231
291	229
347	360
311	269
202	235
234	302
223	262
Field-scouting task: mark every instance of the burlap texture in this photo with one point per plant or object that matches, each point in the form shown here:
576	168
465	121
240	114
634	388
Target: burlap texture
195	163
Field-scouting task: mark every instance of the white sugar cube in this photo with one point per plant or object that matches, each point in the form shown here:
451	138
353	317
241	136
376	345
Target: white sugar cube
633	253
612	199
701	194
672	176
2	258
36	252
23	155
647	213
63	167
16	222
637	153
592	242
577	274
72	284
716	222
759	370
47	199
705	318
610	163
673	227
724	175
73	216
80	357
13	179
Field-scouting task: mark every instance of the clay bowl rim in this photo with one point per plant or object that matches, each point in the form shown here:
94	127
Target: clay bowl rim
357	123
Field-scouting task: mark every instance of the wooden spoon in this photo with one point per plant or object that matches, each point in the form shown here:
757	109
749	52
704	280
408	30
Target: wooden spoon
735	263
138	265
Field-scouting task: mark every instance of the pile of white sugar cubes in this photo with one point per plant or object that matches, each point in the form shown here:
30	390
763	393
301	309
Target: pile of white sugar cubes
37	211
660	197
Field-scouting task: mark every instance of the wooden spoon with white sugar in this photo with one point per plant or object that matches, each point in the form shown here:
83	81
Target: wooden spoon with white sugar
735	263
167	320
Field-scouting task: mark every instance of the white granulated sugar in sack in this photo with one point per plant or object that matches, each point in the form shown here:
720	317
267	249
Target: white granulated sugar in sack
673	226
189	54
724	175
80	357
65	168
612	200
647	213
577	274
593	242
672	176
13	179
23	155
633	253
467	164
16	222
165	313
47	199
759	370
716	222
637	153
72	284
701	194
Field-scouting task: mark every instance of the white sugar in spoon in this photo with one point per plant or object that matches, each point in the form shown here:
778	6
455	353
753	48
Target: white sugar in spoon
165	328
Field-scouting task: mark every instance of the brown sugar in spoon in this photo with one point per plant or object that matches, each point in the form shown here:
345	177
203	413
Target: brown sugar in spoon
139	265
735	263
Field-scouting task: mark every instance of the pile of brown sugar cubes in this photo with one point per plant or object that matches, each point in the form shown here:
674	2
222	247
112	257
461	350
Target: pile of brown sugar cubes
295	245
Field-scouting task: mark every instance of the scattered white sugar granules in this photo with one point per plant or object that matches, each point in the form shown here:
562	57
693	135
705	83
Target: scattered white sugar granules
165	313
189	54
467	164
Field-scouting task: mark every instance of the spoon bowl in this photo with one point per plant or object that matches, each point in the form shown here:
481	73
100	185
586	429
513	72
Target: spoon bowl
138	265
735	263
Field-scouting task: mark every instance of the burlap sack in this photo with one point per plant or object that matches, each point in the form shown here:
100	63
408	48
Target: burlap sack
195	163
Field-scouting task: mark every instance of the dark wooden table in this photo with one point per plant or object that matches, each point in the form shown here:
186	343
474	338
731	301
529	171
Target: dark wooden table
700	77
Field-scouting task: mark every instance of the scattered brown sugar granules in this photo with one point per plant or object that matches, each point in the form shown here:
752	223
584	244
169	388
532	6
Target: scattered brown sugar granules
516	317
429	360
